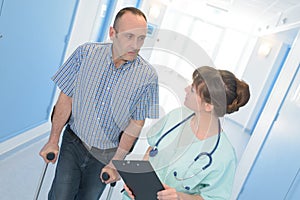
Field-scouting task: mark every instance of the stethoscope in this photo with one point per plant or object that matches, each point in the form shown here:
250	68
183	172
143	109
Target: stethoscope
153	152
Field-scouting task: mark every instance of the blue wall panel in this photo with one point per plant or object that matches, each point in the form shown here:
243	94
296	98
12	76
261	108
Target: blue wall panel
31	49
275	174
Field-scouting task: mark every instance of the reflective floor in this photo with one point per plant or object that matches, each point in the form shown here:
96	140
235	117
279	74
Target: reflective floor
21	168
21	171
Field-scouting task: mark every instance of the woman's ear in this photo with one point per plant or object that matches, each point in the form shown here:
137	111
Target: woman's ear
208	107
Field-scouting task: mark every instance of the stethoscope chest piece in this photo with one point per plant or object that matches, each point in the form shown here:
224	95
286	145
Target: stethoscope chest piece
153	152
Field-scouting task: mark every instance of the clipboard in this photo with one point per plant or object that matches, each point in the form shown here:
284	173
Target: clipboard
140	177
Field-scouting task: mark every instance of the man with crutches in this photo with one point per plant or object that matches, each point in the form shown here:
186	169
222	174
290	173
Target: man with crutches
105	89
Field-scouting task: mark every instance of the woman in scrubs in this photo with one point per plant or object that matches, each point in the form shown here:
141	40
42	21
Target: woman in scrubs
189	151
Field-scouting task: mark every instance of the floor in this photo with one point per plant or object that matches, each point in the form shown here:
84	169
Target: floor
21	168
21	171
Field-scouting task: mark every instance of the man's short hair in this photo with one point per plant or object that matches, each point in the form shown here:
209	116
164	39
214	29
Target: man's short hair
133	10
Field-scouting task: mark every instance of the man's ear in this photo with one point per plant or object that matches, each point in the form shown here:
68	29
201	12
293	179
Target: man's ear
112	32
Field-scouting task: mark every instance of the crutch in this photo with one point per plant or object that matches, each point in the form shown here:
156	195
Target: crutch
105	176
50	156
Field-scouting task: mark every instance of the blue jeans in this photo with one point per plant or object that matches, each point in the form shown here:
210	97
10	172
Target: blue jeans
77	175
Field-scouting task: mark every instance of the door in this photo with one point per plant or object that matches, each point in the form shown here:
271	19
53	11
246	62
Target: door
33	38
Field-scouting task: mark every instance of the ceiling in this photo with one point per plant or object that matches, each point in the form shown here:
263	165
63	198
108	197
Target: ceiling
256	8
266	12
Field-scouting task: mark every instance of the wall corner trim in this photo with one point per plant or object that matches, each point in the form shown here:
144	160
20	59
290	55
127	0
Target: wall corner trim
23	138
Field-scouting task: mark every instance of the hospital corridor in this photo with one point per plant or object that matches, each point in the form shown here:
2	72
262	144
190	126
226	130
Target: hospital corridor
257	40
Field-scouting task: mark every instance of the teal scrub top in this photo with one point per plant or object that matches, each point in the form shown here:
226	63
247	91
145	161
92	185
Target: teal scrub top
177	151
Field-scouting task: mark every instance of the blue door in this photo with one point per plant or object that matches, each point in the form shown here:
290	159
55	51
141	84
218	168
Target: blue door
33	38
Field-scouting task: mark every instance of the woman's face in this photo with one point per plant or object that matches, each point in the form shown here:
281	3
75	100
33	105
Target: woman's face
193	100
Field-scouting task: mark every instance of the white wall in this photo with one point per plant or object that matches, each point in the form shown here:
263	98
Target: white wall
258	73
267	118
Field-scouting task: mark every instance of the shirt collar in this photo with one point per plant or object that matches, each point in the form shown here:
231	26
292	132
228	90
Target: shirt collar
125	65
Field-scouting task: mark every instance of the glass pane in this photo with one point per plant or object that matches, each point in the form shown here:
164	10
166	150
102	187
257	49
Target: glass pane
207	36
231	49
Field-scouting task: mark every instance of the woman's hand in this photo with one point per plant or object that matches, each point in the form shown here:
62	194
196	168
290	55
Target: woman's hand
129	192
171	194
168	194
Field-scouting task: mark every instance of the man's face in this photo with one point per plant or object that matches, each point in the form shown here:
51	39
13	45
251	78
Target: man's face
128	36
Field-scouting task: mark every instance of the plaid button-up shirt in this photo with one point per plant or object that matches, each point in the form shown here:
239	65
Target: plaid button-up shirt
105	98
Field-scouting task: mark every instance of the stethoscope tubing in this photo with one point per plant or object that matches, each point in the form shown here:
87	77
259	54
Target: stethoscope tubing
209	155
154	150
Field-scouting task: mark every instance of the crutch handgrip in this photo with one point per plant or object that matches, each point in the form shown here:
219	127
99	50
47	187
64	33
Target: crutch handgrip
50	156
105	176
